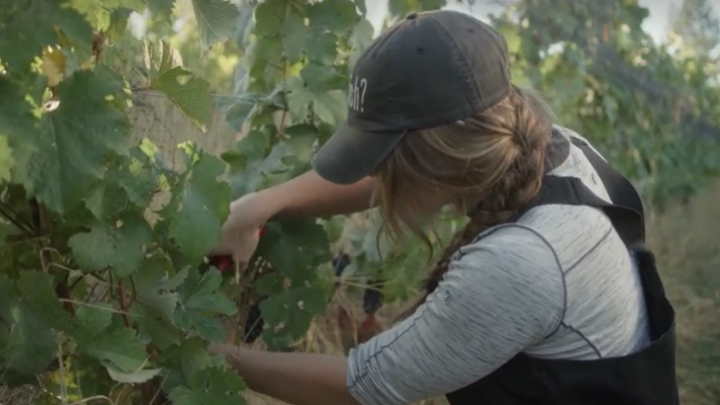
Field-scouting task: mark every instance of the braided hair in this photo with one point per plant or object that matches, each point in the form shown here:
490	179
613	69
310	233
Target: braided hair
489	165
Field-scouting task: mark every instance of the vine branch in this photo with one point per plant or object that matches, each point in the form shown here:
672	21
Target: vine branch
123	303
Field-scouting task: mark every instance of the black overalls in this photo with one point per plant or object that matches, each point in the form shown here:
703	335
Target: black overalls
643	378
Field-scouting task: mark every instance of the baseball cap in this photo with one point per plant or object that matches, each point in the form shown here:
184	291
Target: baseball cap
431	69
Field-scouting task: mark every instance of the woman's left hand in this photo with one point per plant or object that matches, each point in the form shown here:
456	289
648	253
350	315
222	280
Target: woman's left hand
295	378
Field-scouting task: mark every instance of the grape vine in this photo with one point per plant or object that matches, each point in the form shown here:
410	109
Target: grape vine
105	288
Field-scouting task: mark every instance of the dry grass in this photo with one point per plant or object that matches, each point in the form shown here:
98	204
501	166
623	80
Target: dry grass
686	241
18	396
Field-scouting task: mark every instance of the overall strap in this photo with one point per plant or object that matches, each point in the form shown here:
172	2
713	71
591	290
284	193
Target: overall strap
625	210
627	216
618	187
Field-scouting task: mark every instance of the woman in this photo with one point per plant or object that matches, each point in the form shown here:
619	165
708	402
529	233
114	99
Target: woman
546	297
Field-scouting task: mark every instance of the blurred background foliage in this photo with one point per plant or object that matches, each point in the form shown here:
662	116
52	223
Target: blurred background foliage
651	107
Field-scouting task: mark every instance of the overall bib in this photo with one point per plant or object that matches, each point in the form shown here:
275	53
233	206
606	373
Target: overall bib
646	377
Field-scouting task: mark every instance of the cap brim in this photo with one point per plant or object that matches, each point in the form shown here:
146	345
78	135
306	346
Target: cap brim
350	154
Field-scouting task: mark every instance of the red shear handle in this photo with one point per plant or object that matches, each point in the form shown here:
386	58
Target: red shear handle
225	263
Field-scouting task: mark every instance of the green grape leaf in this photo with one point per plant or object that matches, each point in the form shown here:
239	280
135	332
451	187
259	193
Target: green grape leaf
134	377
321	46
38	294
105	200
7	230
176	281
401	8
337	16
289	312
302	139
360	40
211	386
161	8
200	303
254	145
216	21
200	206
103	16
137	177
252	160
154	273
270	17
30	343
193	357
322	78
118	22
274	163
294	34
20	45
17	123
16	118
298	98
130	180
295	250
245	108
118	349
238	114
6	159
264	56
188	92
94	319
187	358
119	246
71	142
329	105
293	245
153	310
362	7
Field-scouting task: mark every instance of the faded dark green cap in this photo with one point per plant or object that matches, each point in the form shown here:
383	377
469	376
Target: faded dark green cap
431	69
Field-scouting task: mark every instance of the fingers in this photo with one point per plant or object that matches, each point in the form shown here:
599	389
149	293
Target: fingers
245	247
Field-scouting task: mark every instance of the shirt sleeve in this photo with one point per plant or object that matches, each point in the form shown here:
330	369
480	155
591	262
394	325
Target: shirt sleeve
504	294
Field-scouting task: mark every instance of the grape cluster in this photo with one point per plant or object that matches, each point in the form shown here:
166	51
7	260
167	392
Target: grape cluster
372	297
254	324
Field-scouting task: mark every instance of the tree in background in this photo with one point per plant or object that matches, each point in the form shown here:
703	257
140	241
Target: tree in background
698	26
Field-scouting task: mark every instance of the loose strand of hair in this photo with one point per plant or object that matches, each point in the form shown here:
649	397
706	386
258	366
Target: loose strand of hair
512	191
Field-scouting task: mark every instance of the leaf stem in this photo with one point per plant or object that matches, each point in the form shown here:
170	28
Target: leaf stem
40	220
360	285
85	304
93	398
13	217
61	376
123	303
76	282
133	297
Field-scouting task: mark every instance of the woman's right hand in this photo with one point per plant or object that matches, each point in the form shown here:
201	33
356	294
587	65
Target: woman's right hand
241	230
305	196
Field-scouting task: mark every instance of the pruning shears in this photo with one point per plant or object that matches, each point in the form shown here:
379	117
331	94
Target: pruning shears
225	263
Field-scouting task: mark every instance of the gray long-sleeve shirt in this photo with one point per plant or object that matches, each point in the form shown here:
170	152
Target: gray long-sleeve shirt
558	284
